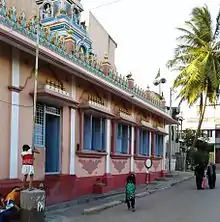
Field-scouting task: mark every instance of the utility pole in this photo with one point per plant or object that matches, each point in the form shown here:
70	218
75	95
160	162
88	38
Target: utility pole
35	80
170	133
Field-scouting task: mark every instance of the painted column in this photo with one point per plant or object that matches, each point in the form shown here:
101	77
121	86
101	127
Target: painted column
14	137
81	116
72	141
73	132
113	137
132	149
164	154
150	143
108	146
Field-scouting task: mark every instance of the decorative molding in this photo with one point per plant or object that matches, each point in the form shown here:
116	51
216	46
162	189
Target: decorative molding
140	157
140	165
89	165
119	164
120	156
91	154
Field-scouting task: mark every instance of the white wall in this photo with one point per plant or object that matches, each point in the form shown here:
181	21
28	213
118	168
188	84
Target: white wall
28	6
211	119
102	42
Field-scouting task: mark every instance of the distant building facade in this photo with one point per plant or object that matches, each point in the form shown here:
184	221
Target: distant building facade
210	126
102	43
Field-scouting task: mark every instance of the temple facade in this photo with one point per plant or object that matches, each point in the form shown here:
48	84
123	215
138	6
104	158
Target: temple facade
93	126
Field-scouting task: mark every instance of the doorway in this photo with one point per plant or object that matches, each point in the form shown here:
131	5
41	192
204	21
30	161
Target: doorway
52	143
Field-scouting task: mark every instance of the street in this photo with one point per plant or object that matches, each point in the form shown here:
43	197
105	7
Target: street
180	203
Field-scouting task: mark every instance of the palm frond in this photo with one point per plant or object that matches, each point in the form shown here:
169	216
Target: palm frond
217	28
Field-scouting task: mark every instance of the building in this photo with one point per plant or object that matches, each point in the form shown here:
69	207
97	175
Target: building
175	139
102	43
210	125
92	126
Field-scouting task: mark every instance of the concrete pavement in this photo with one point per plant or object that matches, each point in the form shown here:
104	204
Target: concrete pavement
181	203
69	214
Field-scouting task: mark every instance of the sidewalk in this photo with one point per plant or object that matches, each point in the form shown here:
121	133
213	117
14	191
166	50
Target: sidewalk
95	203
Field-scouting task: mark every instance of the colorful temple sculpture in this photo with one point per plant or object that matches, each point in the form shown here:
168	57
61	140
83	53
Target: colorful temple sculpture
93	127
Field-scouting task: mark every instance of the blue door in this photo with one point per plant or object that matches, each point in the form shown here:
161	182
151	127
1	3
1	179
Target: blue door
52	143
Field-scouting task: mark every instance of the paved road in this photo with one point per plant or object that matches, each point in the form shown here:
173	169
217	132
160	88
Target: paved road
181	203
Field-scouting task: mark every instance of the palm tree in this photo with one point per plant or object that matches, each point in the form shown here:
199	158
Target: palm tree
197	61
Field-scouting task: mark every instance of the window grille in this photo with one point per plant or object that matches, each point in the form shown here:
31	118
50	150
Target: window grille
39	130
53	110
39	139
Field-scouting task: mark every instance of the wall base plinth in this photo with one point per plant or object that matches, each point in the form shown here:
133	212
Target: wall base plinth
63	188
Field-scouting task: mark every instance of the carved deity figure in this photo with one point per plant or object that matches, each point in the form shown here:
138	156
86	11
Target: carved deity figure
22	19
47	10
3	8
2	4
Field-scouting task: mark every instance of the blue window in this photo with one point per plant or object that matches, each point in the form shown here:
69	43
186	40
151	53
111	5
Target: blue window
123	138
159	139
143	148
94	133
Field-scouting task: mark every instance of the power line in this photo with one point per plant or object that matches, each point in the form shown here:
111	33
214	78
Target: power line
14	104
106	4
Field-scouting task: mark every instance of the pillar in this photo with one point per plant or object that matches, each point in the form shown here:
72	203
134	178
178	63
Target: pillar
108	146
14	136
108	179
164	154
152	143
73	131
81	122
113	137
136	140
72	141
32	205
132	149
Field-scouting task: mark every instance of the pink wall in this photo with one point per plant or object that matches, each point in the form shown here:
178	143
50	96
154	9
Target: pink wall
26	114
88	167
5	117
156	166
120	166
139	166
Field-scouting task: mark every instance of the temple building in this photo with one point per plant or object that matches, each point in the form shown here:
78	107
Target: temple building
93	126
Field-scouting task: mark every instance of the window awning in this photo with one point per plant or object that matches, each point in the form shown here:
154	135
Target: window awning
128	119
96	109
147	125
53	96
161	131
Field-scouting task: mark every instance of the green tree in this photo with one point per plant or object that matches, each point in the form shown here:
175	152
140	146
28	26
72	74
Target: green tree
197	61
193	156
189	135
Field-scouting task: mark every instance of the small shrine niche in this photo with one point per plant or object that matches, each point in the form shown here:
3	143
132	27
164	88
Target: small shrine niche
76	15
47	10
82	50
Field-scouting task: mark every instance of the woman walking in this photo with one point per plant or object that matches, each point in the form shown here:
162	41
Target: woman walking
211	174
199	173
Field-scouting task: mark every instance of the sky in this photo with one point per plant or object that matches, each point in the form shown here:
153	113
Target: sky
145	32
